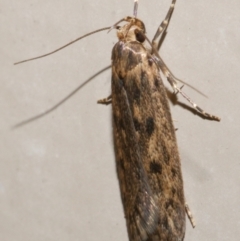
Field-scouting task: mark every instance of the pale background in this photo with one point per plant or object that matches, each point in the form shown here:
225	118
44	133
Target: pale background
57	174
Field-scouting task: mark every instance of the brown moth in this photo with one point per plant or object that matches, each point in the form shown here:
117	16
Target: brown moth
148	163
147	157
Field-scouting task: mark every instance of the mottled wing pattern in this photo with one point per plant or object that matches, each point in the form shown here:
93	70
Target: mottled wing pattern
148	162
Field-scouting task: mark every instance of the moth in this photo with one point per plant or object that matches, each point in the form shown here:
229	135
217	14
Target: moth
147	157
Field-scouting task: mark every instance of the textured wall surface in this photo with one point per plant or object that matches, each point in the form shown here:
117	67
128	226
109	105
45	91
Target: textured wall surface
57	174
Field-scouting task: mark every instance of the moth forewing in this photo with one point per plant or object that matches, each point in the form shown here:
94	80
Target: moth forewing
148	163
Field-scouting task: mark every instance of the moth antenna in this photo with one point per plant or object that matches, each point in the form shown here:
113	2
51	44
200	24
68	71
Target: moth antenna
135	8
46	112
64	46
192	87
115	25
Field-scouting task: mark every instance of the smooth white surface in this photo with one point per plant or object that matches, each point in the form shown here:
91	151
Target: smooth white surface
57	174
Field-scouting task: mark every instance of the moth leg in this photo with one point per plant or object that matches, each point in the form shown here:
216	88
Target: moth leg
163	26
195	106
174	83
190	216
200	110
163	67
105	101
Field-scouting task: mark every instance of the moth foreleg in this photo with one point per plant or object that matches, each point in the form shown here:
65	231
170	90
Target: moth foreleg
105	101
195	106
174	83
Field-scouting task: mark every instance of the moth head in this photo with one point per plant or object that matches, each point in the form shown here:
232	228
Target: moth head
134	30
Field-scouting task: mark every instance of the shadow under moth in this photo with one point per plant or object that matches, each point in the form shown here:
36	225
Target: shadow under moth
147	158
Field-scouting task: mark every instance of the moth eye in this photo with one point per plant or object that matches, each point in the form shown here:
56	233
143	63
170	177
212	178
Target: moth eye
140	37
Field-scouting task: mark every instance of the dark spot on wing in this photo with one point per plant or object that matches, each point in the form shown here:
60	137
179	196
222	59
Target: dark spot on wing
118	122
160	188
133	58
155	167
137	47
121	164
165	154
144	78
120	82
115	119
117	51
136	92
120	75
165	222
121	124
156	82
173	191
150	126
174	172
137	125
169	203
